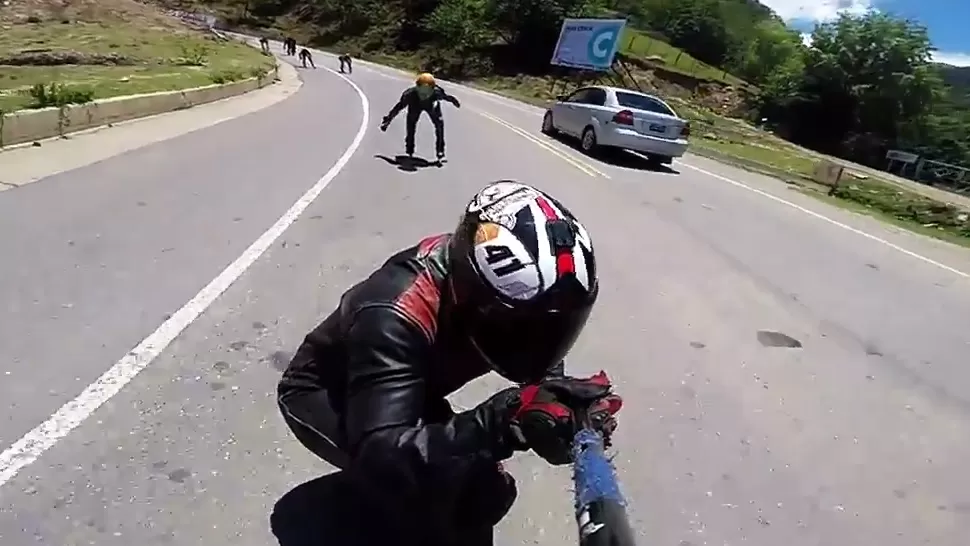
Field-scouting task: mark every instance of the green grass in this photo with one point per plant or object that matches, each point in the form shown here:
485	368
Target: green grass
160	59
773	157
739	144
640	44
902	203
881	199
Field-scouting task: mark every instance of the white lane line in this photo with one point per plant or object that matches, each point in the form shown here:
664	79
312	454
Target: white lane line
526	108
29	448
565	156
832	221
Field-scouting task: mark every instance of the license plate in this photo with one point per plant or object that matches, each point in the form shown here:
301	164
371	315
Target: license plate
658	128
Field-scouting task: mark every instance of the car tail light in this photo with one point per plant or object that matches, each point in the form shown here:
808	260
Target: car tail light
623	117
685	130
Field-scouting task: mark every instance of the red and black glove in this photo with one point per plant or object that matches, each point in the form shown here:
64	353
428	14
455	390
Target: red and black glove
546	420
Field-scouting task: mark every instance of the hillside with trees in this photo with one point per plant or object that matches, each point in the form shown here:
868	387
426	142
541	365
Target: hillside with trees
865	85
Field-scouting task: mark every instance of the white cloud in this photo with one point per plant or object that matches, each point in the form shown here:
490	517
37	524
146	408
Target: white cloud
826	10
946	57
953	58
817	10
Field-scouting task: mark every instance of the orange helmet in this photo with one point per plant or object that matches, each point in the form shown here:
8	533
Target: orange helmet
425	79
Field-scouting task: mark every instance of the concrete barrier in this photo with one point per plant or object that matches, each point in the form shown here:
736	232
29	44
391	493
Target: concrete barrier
828	174
33	125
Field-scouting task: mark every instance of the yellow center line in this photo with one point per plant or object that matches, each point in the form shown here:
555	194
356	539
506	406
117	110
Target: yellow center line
579	164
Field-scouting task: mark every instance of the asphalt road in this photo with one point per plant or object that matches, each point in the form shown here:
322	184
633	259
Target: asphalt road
859	435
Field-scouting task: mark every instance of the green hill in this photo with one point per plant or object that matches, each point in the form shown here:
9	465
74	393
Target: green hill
956	76
682	32
958	79
713	52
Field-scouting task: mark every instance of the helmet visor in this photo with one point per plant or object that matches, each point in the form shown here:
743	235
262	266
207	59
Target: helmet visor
524	347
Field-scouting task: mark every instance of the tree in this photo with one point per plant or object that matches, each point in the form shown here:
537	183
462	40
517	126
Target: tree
461	24
866	79
773	54
696	26
531	27
461	29
943	135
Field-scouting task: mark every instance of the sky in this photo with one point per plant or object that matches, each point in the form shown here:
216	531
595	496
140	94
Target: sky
947	20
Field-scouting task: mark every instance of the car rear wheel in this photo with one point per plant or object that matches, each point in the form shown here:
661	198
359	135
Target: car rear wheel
547	126
588	143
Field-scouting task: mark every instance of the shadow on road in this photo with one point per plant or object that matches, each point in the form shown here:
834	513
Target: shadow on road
408	164
629	160
617	158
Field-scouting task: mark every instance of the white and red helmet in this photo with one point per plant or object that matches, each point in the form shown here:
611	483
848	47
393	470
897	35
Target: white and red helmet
523	273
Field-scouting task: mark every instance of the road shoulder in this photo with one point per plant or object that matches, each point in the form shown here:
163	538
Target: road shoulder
25	164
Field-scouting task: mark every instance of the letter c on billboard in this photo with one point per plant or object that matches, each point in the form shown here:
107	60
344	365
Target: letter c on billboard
601	44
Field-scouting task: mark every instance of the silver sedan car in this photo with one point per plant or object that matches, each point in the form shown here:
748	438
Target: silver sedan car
619	118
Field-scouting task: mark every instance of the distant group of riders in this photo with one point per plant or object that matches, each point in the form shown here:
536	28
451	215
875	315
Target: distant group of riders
289	48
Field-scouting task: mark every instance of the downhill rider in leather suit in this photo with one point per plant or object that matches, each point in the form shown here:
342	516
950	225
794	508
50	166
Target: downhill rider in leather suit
424	96
509	291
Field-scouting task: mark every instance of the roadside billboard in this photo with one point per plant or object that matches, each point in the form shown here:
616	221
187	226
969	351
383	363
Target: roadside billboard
588	44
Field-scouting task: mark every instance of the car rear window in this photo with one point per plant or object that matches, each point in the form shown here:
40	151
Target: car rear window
642	102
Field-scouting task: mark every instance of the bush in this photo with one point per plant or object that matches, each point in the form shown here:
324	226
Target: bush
195	55
258	72
58	95
226	76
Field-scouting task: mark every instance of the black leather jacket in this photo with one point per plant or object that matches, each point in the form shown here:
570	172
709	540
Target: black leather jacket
411	100
387	357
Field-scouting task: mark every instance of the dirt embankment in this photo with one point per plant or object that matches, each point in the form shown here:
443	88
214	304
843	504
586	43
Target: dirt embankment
720	98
